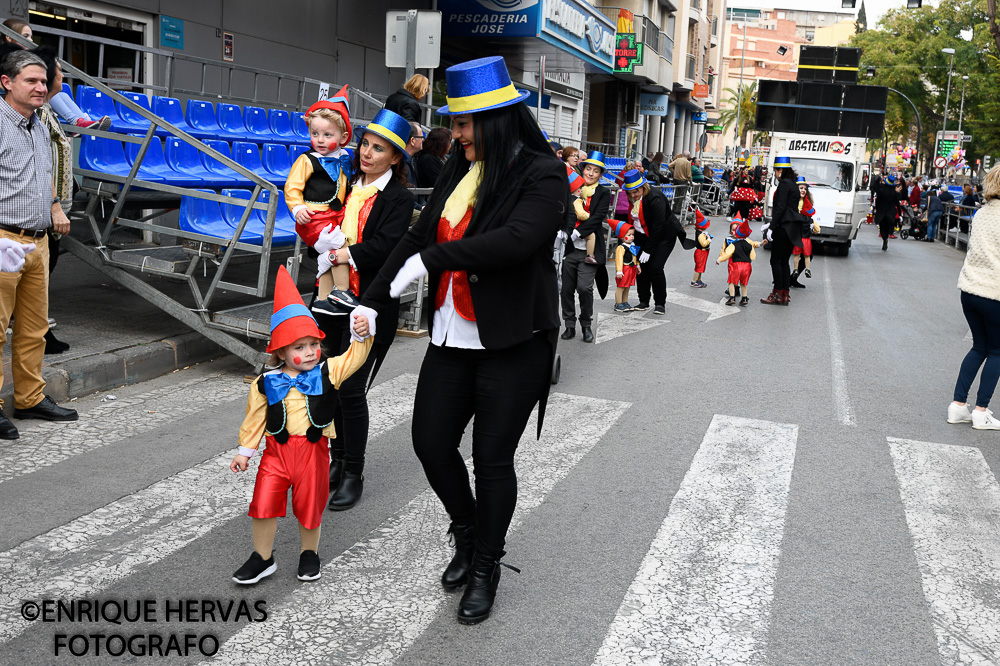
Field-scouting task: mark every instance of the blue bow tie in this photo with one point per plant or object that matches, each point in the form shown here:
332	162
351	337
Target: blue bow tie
334	165
634	249
276	386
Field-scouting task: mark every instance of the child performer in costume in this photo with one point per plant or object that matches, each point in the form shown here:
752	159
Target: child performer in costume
293	406
702	242
593	169
739	252
807	208
626	264
315	193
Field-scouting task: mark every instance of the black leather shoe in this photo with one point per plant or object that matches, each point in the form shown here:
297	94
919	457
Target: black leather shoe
481	590
7	429
336	472
588	335
568	334
348	493
47	410
456	574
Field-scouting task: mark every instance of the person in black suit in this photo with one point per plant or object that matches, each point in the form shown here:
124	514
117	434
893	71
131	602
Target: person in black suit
887	207
784	231
657	231
377	213
484	240
580	270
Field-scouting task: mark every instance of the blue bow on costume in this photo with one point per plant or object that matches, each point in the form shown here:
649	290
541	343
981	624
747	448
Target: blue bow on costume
276	386
334	165
634	249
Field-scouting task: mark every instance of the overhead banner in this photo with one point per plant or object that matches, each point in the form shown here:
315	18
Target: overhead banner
653	104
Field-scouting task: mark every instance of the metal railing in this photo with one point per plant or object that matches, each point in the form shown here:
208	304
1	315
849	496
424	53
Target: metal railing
692	61
650	35
715	26
667	51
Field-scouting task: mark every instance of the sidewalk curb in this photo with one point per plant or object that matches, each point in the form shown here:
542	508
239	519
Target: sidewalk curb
130	365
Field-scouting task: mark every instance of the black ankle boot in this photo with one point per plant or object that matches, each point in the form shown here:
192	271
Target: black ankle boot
336	472
481	590
457	572
569	333
795	280
53	345
348	492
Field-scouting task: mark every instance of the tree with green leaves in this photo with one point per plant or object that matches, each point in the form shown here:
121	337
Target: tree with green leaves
747	103
862	23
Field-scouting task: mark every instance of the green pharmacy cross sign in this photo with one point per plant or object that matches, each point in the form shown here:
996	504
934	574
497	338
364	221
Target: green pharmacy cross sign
628	52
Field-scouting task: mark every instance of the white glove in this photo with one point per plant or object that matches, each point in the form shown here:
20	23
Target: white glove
330	240
768	235
365	312
324	263
562	235
12	254
644	257
575	235
411	271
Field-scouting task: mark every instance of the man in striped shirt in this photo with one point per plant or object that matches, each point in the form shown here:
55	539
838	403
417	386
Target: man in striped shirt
28	206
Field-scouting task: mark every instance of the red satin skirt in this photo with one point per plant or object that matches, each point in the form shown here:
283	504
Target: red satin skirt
700	260
628	276
739	272
298	464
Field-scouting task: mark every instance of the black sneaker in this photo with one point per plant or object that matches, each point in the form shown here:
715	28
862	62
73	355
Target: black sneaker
745	301
344	300
731	300
641	306
309	565
254	569
659	309
809	273
327	308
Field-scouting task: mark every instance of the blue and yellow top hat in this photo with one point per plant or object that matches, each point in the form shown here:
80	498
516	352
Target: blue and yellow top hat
479	85
597	159
632	180
782	163
801	180
392	127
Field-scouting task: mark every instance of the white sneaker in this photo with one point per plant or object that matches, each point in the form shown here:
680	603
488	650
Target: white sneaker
984	420
959	414
953	230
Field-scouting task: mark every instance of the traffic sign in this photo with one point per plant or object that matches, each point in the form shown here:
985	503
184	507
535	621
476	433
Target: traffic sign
940	162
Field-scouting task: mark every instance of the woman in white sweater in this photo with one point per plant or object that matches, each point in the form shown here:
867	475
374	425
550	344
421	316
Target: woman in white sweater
980	286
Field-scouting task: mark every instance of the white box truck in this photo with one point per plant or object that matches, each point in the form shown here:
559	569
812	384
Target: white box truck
838	174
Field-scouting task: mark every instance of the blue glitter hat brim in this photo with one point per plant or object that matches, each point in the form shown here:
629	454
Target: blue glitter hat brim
522	95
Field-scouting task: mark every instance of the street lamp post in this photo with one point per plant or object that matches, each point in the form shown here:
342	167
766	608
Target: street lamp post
947	94
961	109
739	97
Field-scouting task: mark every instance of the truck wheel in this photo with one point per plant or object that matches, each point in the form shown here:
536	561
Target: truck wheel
844	249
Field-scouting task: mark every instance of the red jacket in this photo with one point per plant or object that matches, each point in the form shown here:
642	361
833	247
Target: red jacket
915	196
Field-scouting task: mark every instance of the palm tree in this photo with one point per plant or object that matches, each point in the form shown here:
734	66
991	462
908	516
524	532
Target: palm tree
747	111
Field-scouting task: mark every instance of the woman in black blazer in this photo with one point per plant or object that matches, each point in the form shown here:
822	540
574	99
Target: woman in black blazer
657	232
485	242
382	218
784	232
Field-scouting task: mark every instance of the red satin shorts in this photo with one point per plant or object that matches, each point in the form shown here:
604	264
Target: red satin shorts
303	466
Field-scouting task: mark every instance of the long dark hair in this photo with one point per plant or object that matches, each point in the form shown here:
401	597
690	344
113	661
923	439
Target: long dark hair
398	169
787	173
498	134
436	143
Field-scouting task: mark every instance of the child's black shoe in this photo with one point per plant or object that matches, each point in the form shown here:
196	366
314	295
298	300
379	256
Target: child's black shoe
309	565
745	301
344	301
731	300
254	569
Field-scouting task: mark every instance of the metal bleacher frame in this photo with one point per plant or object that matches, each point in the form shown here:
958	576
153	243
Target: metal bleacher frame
232	330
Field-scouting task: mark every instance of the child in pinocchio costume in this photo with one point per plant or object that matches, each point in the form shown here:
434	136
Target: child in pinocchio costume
293	407
808	209
702	242
627	265
315	192
740	252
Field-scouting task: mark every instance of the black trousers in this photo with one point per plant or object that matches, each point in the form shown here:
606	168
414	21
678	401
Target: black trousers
781	252
886	221
499	388
652	275
350	418
578	279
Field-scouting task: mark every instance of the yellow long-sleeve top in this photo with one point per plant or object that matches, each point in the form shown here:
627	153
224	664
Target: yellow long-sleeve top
301	171
703	241
728	250
296	415
620	253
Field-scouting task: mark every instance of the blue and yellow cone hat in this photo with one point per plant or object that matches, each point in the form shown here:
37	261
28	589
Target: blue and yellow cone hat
782	163
597	159
479	85
392	127
632	180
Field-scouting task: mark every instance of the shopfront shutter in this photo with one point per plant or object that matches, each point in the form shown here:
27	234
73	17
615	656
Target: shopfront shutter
567	125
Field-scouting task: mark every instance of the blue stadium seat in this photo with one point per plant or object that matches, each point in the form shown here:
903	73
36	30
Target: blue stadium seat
295	150
185	158
170	109
104	156
132	121
283	217
247	155
96	104
276	162
255	119
281	125
204	217
201	117
154	166
230	119
66	88
217	167
233	213
300	128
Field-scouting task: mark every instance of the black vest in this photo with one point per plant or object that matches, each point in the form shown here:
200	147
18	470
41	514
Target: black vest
320	411
741	251
320	188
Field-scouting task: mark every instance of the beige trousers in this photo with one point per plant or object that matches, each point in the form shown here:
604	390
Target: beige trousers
25	296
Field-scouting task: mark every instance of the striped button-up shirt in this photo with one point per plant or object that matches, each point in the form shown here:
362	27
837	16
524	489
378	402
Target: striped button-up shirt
25	170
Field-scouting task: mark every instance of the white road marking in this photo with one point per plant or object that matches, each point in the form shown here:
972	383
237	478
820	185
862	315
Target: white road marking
376	598
841	400
952	503
45	444
714	310
94	551
704	589
613	325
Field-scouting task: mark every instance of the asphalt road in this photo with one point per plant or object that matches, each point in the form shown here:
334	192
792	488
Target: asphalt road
760	485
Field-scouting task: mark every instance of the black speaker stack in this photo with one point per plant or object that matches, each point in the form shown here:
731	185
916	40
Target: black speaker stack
825	99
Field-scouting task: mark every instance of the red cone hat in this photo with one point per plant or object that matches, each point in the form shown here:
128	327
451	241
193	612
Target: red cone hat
291	320
700	220
338	104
